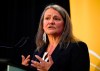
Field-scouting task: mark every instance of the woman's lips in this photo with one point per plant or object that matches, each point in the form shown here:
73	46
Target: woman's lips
51	26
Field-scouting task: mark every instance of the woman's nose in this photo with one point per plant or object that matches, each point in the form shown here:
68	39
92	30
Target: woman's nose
51	21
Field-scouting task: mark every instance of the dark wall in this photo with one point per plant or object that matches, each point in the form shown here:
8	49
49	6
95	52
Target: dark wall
19	18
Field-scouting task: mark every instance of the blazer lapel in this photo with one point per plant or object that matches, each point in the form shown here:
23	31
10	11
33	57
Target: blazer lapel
56	52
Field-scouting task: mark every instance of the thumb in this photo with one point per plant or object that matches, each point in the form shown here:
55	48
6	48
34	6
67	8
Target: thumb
23	57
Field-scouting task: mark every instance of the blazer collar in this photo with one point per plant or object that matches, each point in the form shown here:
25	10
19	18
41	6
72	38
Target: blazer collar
55	53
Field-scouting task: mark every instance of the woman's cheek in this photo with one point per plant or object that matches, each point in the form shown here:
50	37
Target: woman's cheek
44	27
45	23
60	28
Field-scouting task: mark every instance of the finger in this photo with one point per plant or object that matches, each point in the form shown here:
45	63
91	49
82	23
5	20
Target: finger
39	58
32	61
35	63
23	57
28	60
28	57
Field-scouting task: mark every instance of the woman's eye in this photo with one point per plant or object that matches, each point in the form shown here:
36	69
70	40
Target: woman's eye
57	18
47	18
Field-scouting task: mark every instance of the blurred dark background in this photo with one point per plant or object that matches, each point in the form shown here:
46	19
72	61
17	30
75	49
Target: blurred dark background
19	23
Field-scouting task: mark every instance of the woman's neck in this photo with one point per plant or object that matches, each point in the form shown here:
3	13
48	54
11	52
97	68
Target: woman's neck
53	42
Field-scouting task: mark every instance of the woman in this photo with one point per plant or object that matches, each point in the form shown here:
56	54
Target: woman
57	48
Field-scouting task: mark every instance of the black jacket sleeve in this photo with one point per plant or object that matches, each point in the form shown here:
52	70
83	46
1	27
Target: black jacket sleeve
80	57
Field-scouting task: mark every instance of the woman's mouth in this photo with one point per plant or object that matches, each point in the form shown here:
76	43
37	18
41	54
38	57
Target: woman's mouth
51	27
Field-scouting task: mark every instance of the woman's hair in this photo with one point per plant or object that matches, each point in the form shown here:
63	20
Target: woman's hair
66	36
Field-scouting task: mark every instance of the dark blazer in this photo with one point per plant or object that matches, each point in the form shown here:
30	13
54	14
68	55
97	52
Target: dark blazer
75	57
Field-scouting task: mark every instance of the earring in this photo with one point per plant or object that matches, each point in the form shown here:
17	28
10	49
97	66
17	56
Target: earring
44	37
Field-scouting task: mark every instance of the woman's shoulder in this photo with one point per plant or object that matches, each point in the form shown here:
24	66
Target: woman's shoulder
79	45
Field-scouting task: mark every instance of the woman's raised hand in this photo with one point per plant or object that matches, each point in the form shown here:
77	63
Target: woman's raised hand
42	65
25	61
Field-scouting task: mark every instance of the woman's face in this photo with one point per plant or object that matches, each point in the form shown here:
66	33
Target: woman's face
53	23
